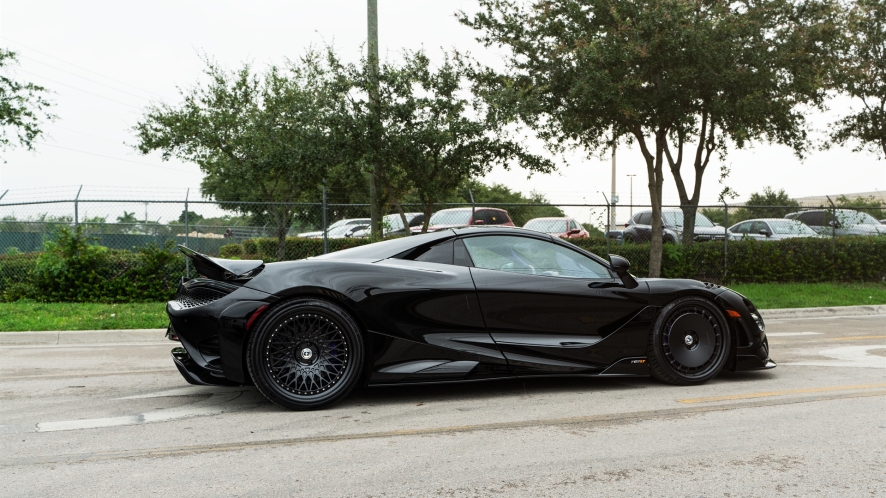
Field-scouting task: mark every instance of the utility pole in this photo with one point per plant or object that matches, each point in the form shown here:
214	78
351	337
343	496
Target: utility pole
632	194
375	230
614	196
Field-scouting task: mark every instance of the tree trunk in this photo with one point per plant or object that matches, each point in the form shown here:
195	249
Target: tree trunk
429	206
283	219
406	231
654	172
689	210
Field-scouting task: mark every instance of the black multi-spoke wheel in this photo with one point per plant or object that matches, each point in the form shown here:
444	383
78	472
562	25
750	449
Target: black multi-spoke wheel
305	354
689	343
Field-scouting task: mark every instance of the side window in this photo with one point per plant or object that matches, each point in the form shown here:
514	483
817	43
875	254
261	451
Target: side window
758	226
743	227
812	218
440	253
644	218
573	225
531	257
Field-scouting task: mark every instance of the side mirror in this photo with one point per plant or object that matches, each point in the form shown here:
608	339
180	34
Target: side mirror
766	233
621	266
478	222
574	231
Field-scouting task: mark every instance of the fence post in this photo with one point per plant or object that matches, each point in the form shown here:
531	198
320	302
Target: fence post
76	206
187	233
725	240
473	205
325	231
606	226
4	194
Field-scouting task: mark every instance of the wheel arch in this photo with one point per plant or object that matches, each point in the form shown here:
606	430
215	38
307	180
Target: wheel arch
322	294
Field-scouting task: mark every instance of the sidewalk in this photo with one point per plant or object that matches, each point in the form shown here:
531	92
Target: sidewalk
73	337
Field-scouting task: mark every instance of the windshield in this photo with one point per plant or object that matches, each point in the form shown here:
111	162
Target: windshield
675	219
451	217
790	227
343	229
557	225
848	217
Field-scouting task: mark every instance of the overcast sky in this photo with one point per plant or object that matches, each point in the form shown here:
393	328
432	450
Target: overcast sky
106	60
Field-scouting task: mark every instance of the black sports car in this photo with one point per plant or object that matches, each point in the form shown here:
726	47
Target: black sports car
454	305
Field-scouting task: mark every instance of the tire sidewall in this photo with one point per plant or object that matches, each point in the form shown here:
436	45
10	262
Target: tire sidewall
661	368
263	378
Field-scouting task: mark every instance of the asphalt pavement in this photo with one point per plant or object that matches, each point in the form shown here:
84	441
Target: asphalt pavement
116	418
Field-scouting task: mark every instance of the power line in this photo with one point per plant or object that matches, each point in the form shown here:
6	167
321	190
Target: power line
79	89
115	158
85	78
83	68
86	134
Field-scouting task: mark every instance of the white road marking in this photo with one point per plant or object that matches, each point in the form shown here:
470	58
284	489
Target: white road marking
218	403
791	334
849	356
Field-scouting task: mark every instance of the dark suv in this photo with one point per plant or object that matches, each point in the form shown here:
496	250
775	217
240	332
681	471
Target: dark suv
639	229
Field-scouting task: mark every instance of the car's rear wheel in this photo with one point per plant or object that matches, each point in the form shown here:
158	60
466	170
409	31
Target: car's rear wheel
689	343
305	354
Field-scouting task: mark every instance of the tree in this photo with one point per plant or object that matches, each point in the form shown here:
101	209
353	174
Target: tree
519	212
682	79
862	76
192	217
768	204
430	133
870	205
22	107
262	141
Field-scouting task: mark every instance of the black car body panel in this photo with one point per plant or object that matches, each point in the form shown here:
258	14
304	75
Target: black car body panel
429	315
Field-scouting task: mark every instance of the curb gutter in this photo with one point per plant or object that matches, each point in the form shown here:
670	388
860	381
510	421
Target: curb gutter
74	337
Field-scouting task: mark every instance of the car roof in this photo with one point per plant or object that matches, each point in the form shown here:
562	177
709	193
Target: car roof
468	208
551	218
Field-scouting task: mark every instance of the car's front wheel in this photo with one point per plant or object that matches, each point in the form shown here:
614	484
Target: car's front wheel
689	343
305	354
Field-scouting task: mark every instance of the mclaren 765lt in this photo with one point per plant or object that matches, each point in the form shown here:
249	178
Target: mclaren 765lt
454	305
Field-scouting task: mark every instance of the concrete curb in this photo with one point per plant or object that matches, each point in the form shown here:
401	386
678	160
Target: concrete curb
73	337
786	313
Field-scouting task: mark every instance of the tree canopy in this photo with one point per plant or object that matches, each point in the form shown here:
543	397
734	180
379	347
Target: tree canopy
256	137
682	79
862	76
22	107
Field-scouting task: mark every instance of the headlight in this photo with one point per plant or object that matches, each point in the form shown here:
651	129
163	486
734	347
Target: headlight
759	319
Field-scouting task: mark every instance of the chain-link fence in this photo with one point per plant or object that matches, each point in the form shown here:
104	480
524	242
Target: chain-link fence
812	243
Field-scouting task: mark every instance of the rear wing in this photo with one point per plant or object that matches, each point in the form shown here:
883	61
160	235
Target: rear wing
223	269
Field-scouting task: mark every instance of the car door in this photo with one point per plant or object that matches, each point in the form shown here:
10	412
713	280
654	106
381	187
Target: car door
547	305
757	227
435	330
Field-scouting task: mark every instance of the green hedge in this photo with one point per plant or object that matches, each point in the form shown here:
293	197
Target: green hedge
72	269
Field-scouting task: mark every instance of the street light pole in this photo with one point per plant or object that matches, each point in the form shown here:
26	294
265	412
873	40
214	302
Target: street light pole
614	196
632	194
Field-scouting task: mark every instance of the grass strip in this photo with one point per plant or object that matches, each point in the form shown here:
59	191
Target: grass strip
773	296
26	316
29	315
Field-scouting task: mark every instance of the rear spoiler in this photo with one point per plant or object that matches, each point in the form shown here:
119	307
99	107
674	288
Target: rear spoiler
223	269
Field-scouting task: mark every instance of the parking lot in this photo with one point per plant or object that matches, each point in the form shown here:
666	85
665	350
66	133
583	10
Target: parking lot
118	419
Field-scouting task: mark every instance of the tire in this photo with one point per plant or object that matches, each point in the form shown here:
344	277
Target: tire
305	354
689	343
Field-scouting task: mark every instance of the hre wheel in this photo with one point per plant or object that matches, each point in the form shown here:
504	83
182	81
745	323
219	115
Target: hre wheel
305	354
689	343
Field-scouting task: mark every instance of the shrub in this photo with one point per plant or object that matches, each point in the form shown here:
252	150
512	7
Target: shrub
231	251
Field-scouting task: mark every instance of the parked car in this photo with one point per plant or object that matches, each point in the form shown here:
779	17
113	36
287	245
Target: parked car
770	229
335	227
639	228
454	305
566	228
840	222
392	225
462	217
